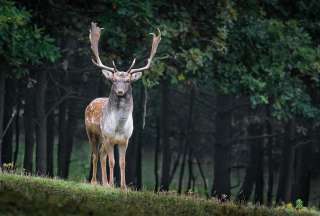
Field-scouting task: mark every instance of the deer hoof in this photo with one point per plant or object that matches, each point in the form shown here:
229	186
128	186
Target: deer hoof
106	185
94	182
124	188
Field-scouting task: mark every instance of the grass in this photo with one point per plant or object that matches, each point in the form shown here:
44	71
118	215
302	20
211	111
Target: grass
26	195
80	165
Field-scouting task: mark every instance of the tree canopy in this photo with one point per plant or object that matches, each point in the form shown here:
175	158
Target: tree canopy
21	41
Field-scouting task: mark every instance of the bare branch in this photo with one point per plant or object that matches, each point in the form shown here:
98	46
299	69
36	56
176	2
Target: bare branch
8	125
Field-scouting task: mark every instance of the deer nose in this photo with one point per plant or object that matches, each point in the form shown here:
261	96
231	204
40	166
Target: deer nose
120	93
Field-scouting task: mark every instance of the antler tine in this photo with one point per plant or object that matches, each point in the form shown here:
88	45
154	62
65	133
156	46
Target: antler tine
94	37
114	66
155	42
132	64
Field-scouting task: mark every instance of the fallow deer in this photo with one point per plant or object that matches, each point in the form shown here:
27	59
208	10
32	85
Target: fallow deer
109	121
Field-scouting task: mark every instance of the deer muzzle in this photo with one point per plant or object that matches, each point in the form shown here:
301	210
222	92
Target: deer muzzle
120	92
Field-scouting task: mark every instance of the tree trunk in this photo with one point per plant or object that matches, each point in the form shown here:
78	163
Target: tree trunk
50	143
205	186
156	154
65	155
28	118
286	169
181	175
270	142
51	124
64	136
10	98
72	123
222	146
303	176
254	170
177	159
131	177
2	102
252	167
41	127
188	139
116	172
61	140
141	116
191	177
17	132
164	125
132	151
259	178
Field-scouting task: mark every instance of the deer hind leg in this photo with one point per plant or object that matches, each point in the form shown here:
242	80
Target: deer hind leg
122	162
93	139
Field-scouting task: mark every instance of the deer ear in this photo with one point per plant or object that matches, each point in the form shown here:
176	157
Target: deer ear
136	76
107	74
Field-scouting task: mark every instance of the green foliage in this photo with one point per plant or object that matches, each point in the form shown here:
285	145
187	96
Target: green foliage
299	204
21	42
290	209
270	60
8	167
179	58
233	47
42	196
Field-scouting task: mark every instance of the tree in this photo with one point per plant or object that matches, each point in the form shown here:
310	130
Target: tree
222	145
22	43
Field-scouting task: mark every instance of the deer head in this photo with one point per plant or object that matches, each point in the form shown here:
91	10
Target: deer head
121	80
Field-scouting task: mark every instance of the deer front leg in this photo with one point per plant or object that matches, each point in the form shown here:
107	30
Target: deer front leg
110	152
122	162
103	161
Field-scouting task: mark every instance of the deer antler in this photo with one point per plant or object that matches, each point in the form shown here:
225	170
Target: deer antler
114	66
94	37
155	42
132	64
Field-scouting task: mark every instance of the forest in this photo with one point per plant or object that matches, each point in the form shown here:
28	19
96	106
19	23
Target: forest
229	108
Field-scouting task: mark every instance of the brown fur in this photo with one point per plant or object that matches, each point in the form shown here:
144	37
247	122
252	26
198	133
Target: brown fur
93	114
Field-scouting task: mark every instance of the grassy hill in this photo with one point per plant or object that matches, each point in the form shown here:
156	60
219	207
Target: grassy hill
25	195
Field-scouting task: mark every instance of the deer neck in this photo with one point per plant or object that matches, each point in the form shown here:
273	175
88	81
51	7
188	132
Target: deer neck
123	104
116	122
